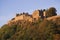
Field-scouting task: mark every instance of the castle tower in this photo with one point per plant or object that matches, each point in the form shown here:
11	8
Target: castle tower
44	14
36	14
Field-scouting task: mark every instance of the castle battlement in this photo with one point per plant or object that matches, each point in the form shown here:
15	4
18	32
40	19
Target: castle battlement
27	17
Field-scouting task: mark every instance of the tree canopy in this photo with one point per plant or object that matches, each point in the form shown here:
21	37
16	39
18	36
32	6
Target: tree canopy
51	12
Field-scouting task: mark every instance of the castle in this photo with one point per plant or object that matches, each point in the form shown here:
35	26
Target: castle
27	17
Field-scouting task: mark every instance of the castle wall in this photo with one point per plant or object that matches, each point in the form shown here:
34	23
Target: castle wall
35	14
19	17
22	17
44	14
26	17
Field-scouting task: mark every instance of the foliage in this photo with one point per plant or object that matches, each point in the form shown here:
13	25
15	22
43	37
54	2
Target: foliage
6	32
39	30
51	12
17	14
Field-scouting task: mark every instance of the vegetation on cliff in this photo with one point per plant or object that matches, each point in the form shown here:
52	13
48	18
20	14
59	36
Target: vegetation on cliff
38	30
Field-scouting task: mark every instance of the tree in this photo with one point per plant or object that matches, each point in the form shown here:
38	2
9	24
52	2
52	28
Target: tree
17	14
51	12
12	18
7	31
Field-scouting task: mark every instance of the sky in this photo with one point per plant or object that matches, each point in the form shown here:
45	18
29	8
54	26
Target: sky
9	8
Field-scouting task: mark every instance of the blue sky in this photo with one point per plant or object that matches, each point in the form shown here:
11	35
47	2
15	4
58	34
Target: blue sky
8	8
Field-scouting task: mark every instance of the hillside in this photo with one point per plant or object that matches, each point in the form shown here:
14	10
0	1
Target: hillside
53	18
39	30
41	25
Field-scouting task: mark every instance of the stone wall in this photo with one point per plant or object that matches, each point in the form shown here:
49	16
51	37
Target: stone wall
26	17
35	14
22	17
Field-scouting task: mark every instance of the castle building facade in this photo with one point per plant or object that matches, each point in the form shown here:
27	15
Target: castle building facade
37	14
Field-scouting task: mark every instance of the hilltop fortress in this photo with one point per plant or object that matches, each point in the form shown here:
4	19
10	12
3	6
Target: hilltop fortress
37	14
27	17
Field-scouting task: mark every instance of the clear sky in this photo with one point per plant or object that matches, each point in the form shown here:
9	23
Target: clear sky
8	8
